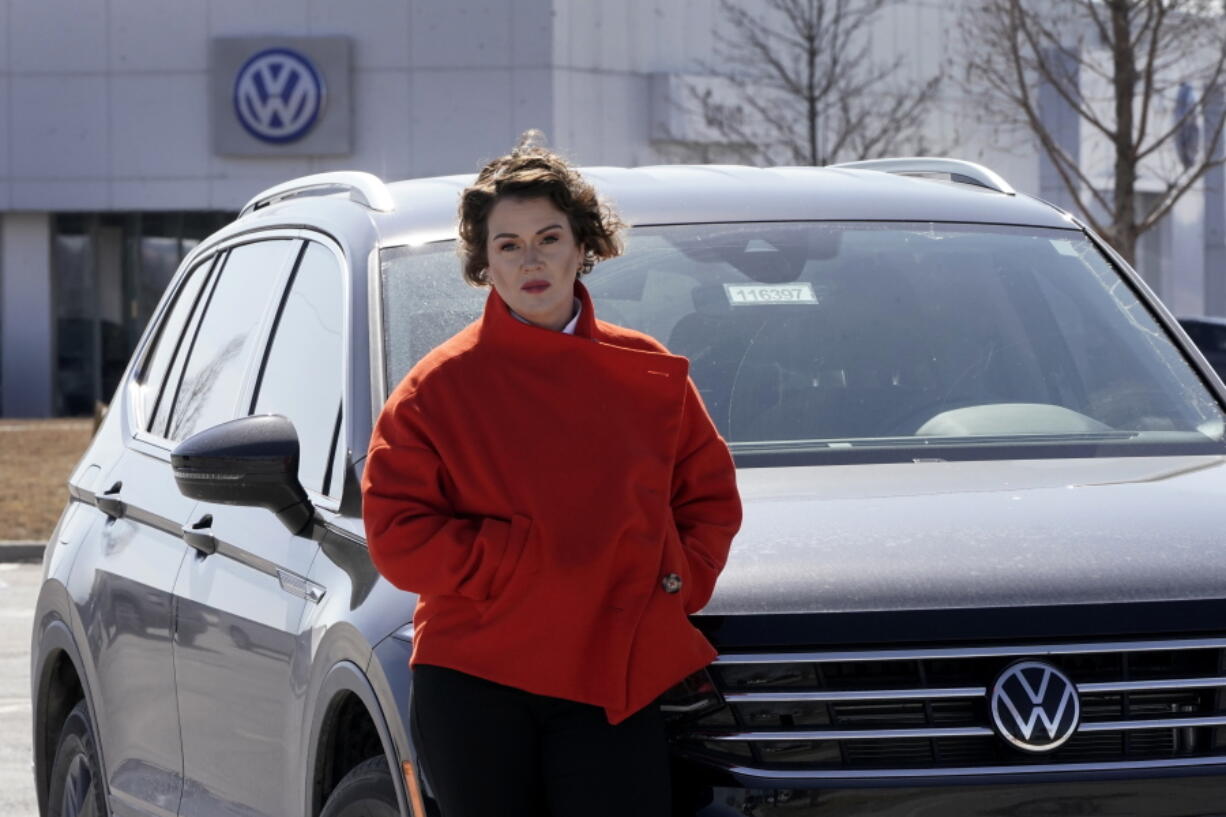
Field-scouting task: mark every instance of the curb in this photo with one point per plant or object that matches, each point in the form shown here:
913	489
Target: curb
21	551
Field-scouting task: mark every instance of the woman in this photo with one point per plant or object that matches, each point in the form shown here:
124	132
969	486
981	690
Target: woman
553	489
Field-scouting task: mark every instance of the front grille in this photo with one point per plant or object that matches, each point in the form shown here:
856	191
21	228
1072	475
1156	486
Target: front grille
860	713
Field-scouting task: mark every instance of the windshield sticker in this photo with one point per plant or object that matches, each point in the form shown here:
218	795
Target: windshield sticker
800	292
1065	247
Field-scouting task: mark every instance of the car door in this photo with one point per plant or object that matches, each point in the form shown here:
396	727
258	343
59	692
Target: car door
124	578
144	493
240	652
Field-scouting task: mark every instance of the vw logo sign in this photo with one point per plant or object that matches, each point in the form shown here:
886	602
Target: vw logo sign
278	95
1035	706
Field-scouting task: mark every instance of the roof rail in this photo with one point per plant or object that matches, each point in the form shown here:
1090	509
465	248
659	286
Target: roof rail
958	170
366	189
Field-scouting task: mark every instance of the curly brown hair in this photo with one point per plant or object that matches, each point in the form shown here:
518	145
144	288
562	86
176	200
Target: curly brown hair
531	170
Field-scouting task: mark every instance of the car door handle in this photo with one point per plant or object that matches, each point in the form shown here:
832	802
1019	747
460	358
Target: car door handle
199	537
110	503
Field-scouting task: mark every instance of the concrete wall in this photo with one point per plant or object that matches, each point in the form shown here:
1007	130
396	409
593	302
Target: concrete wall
27	316
927	35
105	105
604	55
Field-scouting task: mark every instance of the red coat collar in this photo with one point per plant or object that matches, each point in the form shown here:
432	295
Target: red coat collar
500	326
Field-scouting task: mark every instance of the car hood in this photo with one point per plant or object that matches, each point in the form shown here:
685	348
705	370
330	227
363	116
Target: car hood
934	535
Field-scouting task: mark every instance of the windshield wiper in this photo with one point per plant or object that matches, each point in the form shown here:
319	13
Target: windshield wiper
771	446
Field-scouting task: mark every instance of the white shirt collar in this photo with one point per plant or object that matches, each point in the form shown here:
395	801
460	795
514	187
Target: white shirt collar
568	329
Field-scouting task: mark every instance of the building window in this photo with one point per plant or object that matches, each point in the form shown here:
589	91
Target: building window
110	270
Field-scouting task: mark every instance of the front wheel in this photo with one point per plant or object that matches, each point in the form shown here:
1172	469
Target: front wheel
77	788
367	791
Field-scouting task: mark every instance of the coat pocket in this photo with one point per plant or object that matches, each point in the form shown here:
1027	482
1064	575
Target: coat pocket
518	564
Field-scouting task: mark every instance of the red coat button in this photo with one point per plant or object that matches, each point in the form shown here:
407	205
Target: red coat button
671	583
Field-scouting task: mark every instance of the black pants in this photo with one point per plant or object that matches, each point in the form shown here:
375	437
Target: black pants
488	749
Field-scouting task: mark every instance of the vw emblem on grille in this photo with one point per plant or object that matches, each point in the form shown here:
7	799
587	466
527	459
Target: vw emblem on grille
278	95
1035	706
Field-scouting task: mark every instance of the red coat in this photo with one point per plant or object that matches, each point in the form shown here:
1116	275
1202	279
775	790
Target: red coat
535	489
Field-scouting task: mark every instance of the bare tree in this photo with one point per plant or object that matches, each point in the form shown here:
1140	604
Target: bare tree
798	84
1116	65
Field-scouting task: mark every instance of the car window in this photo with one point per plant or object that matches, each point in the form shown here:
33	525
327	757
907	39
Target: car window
212	380
301	375
834	341
168	342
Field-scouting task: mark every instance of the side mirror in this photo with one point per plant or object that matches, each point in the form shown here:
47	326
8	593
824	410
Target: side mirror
248	461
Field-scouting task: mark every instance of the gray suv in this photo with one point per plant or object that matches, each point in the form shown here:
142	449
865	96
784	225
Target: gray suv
984	472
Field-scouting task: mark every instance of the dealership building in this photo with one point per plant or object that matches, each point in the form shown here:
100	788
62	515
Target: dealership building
131	129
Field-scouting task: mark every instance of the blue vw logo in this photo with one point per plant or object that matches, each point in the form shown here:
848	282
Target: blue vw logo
278	95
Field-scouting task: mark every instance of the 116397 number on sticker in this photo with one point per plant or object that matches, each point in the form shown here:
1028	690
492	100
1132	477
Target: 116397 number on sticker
800	292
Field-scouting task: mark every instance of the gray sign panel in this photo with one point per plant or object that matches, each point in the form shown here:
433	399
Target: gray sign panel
281	96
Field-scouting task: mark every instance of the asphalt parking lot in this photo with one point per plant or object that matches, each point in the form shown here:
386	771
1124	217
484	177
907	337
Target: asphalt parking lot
18	588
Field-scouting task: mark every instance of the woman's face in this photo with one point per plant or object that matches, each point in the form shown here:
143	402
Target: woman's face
534	259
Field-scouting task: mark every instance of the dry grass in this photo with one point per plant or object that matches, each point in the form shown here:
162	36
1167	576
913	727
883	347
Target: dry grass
36	459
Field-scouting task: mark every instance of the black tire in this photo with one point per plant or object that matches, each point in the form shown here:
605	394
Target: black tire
367	791
77	788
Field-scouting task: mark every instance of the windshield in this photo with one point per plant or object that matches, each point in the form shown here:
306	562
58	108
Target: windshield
825	342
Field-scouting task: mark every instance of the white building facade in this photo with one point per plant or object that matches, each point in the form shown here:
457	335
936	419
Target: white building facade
131	129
